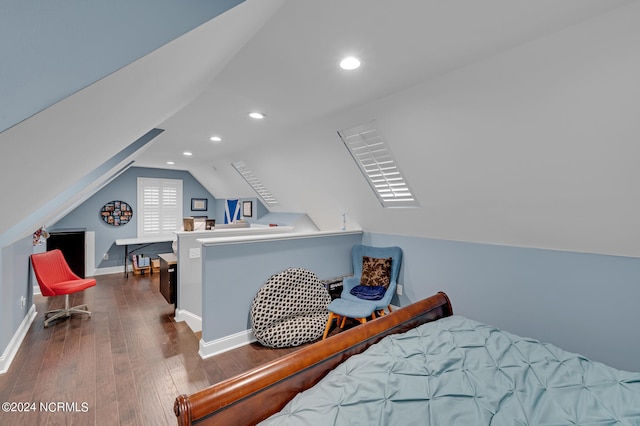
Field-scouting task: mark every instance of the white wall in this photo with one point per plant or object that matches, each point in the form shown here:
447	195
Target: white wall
100	121
535	147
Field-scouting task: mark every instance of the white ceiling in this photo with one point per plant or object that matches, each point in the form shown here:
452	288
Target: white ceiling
289	69
514	121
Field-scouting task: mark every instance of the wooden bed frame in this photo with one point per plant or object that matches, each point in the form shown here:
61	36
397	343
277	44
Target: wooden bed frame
253	396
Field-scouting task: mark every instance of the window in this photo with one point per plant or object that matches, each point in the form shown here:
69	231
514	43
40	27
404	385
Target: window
255	183
159	207
376	163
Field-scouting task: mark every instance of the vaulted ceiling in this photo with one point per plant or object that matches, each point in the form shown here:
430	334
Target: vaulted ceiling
289	69
512	120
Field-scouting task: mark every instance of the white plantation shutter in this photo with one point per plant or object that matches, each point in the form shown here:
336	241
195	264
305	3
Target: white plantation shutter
376	162
255	183
159	206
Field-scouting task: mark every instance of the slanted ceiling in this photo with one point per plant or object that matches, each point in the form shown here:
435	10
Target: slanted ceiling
62	146
532	146
527	136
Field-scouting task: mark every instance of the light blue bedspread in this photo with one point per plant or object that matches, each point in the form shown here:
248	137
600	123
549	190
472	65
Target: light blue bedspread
456	371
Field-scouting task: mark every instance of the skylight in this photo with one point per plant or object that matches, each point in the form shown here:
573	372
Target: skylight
255	183
371	154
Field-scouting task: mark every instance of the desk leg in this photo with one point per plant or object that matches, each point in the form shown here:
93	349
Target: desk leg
126	260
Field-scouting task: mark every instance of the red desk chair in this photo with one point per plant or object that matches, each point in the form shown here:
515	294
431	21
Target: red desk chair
55	279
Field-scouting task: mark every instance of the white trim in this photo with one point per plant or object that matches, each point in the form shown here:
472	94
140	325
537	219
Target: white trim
90	252
159	207
218	346
242	239
378	165
16	340
227	343
193	321
255	183
111	270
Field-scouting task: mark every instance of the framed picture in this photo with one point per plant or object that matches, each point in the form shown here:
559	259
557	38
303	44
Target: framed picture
116	213
198	204
247	208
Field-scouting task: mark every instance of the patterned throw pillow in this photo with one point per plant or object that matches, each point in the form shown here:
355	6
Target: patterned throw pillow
375	271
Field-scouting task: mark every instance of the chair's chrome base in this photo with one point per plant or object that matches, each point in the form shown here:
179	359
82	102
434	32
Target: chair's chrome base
66	312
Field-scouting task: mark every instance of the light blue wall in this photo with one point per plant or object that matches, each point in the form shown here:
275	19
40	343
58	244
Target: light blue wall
51	49
15	273
583	303
124	188
15	250
233	273
261	210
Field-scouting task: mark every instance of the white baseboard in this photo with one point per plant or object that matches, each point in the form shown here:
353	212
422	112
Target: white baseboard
16	340
218	346
110	270
90	251
193	321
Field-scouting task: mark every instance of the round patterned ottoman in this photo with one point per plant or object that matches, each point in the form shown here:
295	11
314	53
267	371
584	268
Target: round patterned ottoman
290	309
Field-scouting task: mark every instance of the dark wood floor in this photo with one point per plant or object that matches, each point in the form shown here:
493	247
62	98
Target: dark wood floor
124	365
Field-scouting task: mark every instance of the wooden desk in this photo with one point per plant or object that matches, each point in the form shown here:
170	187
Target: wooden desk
169	276
126	242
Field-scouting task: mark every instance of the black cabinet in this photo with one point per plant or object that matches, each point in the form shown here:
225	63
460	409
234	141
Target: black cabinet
169	276
333	286
72	244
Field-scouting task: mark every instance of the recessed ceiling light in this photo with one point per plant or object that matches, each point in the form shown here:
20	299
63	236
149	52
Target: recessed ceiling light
349	63
171	163
215	139
256	115
187	153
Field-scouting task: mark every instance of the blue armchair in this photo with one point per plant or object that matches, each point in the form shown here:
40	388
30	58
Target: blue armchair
357	252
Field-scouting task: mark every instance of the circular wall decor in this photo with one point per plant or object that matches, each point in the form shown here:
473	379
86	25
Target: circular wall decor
116	213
